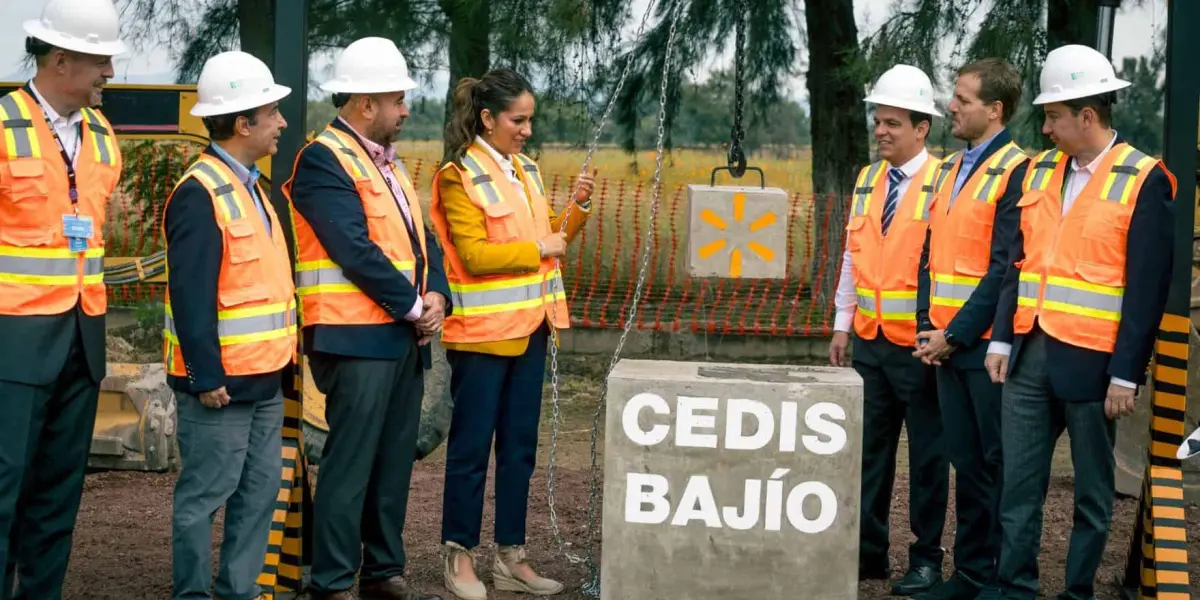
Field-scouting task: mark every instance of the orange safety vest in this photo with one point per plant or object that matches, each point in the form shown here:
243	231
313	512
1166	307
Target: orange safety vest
1073	274
256	304
495	307
885	267
327	297
39	274
960	237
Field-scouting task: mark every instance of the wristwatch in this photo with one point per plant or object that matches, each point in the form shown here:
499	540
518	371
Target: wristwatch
950	340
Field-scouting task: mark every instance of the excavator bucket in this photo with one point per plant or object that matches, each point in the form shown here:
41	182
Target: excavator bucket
1133	431
436	410
135	421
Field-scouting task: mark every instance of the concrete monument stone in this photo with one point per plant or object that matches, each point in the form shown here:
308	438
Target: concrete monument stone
731	481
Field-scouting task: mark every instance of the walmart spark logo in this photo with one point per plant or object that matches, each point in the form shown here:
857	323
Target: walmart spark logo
735	254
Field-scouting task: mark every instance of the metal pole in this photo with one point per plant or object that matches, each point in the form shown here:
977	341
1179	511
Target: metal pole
1107	16
1157	563
290	69
284	569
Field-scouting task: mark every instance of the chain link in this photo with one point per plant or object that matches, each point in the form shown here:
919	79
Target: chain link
737	156
553	342
592	586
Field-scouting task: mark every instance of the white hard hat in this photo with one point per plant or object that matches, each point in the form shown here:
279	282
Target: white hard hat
235	81
87	26
370	65
904	86
1076	71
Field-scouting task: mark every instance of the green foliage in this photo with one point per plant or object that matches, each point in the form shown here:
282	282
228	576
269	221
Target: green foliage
150	171
1138	115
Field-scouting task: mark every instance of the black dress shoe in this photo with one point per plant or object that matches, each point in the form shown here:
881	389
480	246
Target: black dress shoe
918	579
955	588
874	569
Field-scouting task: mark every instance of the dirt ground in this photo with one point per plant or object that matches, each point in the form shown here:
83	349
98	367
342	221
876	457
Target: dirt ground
122	543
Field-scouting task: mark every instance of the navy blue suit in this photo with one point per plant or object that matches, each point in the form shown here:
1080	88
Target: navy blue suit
1052	386
194	250
970	402
372	376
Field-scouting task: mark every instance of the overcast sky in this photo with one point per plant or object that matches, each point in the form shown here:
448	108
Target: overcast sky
1134	30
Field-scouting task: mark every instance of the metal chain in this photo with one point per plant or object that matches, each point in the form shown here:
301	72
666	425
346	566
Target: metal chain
592	586
737	156
553	342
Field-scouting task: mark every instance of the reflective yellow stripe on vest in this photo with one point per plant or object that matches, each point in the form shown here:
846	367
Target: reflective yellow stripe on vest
944	171
989	187
50	266
897	305
16	116
928	189
532	172
1125	169
480	178
326	277
1038	177
246	325
518	293
102	139
865	186
1072	296
952	290
231	207
360	170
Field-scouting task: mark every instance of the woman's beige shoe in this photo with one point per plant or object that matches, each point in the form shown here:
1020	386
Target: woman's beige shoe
450	571
504	579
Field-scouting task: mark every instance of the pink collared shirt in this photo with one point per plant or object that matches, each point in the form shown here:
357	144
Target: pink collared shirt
384	157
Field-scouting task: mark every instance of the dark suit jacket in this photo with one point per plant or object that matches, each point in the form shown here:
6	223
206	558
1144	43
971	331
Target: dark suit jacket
1080	374
194	251
326	197
974	318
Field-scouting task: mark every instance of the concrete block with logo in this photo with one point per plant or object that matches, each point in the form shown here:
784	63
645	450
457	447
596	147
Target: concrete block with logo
731	481
737	231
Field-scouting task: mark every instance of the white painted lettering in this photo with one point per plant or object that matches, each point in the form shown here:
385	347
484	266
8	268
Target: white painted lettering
787	427
698	503
735	413
629	419
637	496
687	421
749	516
795	507
817	417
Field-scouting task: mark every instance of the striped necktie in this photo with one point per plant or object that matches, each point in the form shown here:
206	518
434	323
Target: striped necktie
895	176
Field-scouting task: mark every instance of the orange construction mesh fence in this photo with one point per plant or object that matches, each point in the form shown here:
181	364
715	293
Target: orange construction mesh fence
601	267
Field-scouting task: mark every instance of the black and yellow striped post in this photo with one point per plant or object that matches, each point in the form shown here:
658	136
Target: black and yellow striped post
1157	566
287	553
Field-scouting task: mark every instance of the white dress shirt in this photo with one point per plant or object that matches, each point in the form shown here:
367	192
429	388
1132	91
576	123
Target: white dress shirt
66	127
845	300
1077	178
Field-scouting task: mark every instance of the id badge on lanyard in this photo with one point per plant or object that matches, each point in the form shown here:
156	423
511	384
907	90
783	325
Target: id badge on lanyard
77	229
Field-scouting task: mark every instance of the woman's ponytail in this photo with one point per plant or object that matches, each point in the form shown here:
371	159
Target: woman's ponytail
495	91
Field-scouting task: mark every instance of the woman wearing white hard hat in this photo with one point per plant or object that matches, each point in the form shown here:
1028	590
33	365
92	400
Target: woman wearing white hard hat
60	163
502	243
1082	307
227	258
372	294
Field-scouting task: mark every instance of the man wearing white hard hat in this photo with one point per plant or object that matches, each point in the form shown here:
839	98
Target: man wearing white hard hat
971	227
1079	313
877	298
230	332
59	165
372	293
